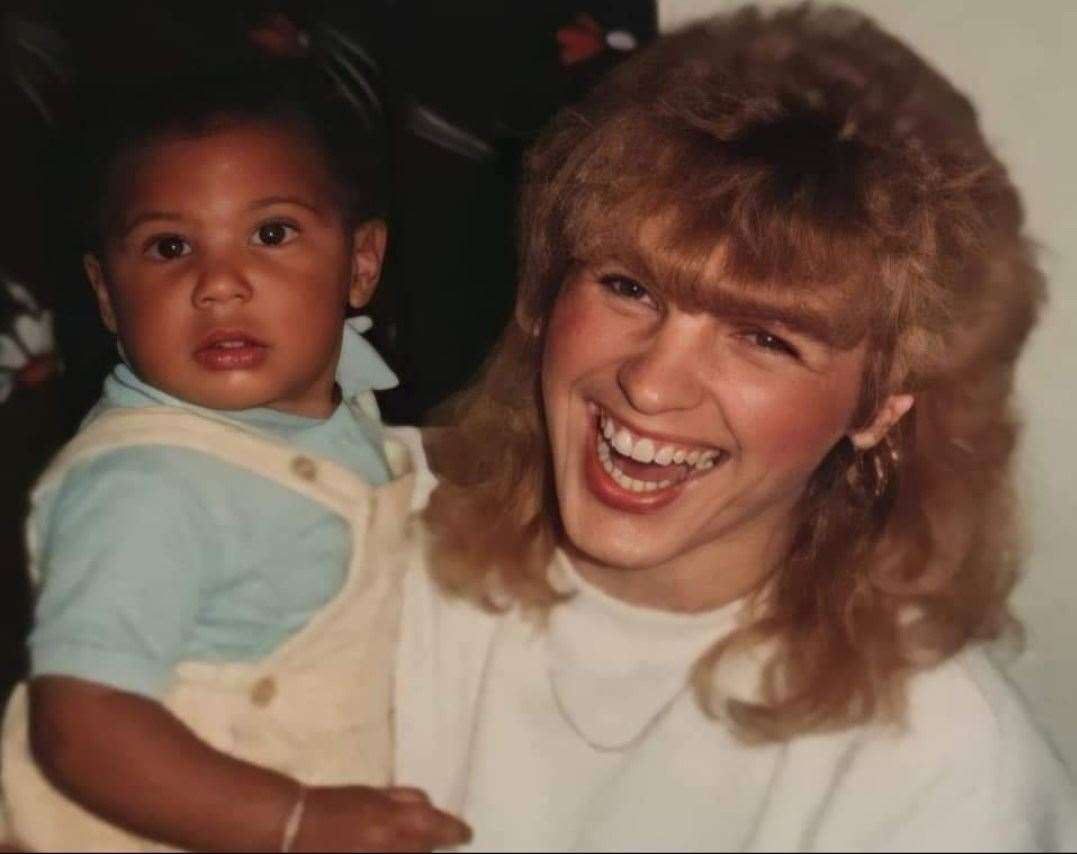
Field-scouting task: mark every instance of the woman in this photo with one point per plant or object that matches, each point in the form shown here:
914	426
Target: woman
720	530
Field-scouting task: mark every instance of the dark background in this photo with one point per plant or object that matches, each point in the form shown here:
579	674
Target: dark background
490	71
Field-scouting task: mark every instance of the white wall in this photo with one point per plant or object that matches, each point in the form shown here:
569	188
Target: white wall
1018	62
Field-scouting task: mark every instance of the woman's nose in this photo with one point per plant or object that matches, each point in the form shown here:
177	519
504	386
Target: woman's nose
221	280
663	375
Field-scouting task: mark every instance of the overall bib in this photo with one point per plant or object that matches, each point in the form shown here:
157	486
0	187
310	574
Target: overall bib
318	707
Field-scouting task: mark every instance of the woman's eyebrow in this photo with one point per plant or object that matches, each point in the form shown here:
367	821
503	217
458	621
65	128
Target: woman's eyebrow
690	284
798	320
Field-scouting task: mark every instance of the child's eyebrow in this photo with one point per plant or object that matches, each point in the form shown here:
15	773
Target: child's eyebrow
147	216
268	201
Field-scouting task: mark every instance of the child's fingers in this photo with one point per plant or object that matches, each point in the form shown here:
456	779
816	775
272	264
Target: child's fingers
407	795
435	827
453	832
449	830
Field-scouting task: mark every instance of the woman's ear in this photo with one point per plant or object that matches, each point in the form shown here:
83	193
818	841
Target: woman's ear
96	274
886	416
368	255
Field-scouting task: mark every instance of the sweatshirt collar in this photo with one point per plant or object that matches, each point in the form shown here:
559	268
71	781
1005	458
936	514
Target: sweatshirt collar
617	668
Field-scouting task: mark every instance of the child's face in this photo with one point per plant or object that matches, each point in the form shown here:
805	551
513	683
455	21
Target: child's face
228	277
681	442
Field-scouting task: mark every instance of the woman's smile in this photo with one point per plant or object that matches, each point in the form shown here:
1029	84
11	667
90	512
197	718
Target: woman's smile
637	472
681	441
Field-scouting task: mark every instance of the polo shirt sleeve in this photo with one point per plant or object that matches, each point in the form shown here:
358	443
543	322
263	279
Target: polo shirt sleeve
125	545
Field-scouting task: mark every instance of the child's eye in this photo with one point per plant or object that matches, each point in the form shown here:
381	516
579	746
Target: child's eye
624	286
769	341
167	247
274	234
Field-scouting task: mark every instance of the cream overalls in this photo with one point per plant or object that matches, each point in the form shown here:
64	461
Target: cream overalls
318	707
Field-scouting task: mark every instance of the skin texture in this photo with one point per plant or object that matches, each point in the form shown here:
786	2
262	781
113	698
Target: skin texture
234	234
773	400
237	234
154	777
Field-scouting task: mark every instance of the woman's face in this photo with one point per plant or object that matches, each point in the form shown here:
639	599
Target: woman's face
682	441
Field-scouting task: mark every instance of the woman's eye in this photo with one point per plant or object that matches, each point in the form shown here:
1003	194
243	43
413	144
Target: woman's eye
274	234
168	247
768	341
623	286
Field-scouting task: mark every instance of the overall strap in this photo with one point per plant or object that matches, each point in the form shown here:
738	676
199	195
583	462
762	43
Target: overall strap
318	478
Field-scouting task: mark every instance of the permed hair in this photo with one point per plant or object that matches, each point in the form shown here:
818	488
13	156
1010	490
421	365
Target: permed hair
842	178
288	94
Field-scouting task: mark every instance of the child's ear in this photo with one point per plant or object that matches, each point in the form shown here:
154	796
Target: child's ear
887	415
368	254
532	326
96	274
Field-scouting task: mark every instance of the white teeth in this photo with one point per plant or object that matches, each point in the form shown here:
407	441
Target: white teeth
643	452
622	442
623	480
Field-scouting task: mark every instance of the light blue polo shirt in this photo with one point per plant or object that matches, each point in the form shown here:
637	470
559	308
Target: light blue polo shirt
152	555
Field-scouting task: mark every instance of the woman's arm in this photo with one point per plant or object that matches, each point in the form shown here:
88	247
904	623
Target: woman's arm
129	760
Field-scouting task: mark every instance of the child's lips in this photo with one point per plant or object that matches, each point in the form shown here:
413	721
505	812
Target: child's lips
224	350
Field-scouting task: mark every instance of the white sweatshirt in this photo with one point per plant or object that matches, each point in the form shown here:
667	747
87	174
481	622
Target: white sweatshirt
582	737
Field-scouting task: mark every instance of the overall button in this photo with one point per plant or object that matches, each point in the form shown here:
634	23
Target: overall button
305	468
263	691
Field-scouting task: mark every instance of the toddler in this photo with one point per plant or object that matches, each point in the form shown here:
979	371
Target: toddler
219	548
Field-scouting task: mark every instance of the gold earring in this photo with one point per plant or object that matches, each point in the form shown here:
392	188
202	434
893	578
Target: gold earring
872	473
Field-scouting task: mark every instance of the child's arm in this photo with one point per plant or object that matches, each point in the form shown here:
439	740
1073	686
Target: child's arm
129	760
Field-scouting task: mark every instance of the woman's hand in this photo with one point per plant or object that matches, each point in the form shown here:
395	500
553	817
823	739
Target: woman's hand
360	818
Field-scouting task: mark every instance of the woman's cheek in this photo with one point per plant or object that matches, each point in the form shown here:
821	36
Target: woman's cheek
578	330
798	423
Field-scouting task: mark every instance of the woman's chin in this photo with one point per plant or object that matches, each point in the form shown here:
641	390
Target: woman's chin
616	544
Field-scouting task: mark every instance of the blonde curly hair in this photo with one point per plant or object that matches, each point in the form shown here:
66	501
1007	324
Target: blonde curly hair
845	179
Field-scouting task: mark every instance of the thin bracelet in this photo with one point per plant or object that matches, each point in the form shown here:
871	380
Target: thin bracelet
295	819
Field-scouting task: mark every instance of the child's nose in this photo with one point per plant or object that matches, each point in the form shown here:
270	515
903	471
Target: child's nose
663	375
221	281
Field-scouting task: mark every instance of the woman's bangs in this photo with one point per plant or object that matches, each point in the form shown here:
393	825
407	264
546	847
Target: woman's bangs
801	273
702	258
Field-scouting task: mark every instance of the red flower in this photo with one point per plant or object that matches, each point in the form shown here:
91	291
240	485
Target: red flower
277	34
580	40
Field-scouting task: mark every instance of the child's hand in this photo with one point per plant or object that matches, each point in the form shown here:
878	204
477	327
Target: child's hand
360	818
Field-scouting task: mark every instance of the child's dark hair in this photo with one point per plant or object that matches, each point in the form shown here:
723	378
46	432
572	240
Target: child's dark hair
281	94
